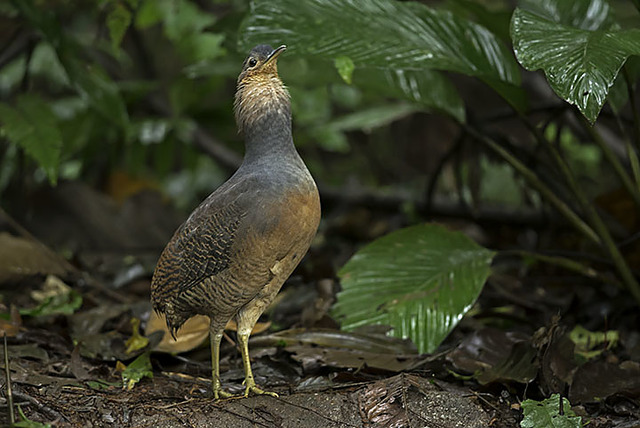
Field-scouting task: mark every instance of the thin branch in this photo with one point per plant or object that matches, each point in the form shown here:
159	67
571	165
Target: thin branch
566	263
438	170
9	392
439	208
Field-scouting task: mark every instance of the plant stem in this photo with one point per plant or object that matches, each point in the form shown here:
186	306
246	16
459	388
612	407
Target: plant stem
531	177
615	162
594	218
566	263
634	106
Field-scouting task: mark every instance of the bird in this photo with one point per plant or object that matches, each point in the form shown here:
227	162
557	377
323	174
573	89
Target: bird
229	259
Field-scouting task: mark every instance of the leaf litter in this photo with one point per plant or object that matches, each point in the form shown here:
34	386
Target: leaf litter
64	359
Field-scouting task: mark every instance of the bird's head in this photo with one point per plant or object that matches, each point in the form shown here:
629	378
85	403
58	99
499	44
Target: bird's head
260	89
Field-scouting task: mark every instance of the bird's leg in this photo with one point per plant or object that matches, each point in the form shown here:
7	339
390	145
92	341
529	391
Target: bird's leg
215	336
249	381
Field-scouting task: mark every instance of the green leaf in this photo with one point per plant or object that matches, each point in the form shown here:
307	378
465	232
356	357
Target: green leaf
118	21
580	65
27	423
495	17
136	371
427	88
420	280
590	344
183	18
584	14
89	80
345	67
55	298
99	90
201	47
546	413
374	117
33	126
148	14
380	33
330	139
136	341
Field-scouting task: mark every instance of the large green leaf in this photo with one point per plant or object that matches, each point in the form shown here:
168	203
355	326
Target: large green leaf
546	413
34	127
584	14
581	65
420	280
380	33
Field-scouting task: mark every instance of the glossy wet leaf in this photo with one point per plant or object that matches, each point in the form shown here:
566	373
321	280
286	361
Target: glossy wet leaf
420	280
546	413
32	125
581	64
584	14
380	33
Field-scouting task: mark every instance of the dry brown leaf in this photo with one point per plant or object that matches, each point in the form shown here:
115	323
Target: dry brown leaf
191	334
20	257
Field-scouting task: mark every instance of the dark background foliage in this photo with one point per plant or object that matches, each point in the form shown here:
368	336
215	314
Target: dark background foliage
515	123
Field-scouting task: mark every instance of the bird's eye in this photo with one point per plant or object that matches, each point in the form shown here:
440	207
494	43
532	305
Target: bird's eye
252	62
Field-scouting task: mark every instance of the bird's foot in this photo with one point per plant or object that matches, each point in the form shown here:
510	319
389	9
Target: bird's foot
250	386
220	393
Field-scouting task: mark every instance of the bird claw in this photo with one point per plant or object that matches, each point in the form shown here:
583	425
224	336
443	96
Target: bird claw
258	391
220	393
252	387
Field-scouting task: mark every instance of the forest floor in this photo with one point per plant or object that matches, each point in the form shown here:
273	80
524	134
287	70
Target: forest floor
72	328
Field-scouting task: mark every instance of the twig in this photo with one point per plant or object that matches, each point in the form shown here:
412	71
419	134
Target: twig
566	263
438	170
41	407
7	370
439	208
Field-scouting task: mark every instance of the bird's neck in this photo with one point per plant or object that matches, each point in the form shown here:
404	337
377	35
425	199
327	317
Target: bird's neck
263	115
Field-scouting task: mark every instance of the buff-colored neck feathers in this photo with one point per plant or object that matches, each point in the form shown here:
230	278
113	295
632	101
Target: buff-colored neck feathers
258	95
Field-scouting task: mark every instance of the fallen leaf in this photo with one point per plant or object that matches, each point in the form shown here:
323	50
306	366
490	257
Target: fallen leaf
136	371
192	333
136	341
21	258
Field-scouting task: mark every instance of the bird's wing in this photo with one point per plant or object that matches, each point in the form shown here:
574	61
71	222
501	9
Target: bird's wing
201	247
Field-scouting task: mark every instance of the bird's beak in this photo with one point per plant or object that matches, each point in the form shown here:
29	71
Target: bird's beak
275	54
